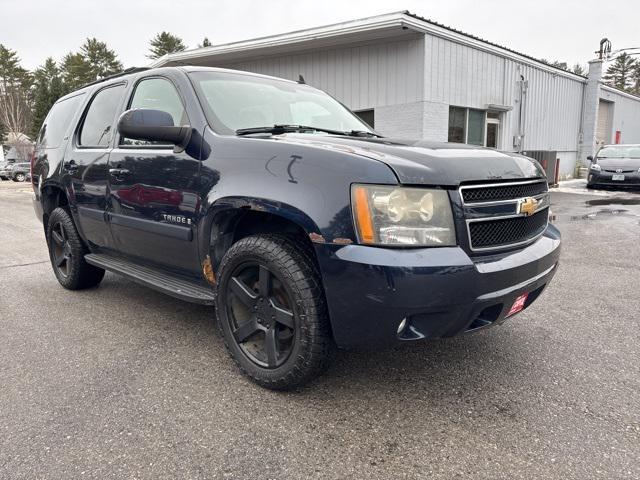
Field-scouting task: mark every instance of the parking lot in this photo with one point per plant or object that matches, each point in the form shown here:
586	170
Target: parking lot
124	382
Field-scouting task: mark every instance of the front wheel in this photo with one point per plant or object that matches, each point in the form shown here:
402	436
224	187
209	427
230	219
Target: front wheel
272	312
19	177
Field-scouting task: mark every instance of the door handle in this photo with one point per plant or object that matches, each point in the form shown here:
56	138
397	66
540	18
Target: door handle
118	172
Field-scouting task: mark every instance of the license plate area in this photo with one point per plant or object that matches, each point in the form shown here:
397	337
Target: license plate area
518	304
617	177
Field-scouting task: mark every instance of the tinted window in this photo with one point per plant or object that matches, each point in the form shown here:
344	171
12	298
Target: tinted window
367	116
98	122
157	94
457	124
475	134
620	151
57	122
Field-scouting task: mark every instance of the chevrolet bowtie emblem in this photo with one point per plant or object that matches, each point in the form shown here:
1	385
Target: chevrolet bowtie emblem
528	206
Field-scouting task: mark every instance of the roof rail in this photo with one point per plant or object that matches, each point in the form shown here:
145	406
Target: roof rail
126	71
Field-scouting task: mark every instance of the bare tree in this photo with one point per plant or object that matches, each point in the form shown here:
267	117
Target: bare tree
15	83
15	112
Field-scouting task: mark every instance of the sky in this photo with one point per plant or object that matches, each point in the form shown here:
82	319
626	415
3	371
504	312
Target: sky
552	29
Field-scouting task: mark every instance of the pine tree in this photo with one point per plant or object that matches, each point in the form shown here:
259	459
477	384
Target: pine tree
76	71
101	60
620	73
94	61
636	79
48	87
164	43
205	43
558	64
579	69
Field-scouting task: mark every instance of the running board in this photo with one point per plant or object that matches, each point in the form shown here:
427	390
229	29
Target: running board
181	288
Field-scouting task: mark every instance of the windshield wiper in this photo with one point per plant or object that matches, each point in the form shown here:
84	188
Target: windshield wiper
280	128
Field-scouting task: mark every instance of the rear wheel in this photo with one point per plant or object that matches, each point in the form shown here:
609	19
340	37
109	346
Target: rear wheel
272	312
67	251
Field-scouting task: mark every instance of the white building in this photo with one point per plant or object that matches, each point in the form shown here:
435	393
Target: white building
413	78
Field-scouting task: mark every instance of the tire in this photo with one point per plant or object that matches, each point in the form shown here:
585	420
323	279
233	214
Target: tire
272	311
19	177
67	251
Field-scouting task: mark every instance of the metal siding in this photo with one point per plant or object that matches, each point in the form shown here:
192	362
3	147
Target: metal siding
361	77
626	115
460	75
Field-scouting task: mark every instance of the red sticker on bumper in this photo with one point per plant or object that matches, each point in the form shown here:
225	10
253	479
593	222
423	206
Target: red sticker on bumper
518	305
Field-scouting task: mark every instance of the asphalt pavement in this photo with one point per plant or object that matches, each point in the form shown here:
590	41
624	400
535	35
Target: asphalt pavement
123	382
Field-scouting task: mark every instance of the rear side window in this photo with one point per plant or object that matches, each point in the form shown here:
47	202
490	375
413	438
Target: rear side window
96	130
57	122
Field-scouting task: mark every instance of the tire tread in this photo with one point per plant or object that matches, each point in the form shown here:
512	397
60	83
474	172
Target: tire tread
82	275
297	260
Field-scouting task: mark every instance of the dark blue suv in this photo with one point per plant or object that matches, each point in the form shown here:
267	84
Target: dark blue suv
272	201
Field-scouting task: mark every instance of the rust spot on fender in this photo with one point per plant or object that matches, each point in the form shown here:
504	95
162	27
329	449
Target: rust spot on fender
316	238
207	270
342	241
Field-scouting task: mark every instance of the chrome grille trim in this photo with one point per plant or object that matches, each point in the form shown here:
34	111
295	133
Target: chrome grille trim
542	197
496	185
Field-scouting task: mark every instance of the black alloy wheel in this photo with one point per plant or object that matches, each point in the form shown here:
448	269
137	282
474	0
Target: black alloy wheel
61	250
272	311
261	316
67	251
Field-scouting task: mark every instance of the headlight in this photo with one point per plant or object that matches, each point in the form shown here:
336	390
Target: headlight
596	167
387	215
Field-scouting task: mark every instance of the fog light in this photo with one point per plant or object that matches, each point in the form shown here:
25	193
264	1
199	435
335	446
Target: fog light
402	326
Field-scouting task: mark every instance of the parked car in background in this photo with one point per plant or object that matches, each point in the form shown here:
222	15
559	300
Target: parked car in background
615	165
18	172
4	170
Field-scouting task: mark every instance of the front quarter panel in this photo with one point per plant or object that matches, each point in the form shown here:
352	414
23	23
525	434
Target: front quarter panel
302	183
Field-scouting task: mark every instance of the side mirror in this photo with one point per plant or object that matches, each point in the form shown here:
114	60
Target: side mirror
590	158
153	126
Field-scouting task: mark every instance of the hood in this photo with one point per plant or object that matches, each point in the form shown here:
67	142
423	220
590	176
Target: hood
624	164
428	163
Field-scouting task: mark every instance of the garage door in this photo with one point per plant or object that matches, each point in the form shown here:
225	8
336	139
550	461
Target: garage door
603	129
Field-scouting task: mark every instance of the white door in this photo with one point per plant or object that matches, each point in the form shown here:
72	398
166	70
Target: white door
603	127
492	130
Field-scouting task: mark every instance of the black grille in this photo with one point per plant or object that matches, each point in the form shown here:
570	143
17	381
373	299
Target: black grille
503	192
496	233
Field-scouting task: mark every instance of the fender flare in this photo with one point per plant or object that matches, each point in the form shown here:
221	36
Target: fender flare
220	218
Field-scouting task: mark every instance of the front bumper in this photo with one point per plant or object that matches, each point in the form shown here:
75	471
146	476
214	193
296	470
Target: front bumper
631	179
441	292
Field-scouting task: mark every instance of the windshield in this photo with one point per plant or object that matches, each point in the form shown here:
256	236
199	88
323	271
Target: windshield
620	151
234	101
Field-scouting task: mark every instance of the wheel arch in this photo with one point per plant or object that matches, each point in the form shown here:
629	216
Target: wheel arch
234	218
52	196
